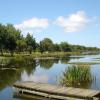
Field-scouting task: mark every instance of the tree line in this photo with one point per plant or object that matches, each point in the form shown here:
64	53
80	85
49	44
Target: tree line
11	40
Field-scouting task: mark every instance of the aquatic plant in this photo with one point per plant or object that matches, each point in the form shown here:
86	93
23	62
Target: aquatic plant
77	76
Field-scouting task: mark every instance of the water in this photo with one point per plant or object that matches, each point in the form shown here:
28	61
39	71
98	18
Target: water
45	71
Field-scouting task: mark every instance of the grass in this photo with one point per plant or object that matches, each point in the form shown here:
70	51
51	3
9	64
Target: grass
77	76
84	63
45	54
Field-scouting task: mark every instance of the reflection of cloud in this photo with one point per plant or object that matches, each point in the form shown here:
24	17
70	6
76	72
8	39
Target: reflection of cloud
35	78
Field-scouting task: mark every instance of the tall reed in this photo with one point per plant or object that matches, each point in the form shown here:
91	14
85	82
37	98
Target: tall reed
77	76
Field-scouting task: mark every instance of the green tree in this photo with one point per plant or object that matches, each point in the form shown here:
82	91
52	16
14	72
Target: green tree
41	47
31	43
12	36
2	38
21	45
46	45
56	47
65	47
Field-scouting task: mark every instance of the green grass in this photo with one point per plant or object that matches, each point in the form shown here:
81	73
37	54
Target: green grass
77	76
84	63
45	54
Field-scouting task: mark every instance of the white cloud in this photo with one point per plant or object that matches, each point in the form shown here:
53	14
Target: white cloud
33	24
73	22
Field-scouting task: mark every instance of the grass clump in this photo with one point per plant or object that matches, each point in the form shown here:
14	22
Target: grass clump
77	76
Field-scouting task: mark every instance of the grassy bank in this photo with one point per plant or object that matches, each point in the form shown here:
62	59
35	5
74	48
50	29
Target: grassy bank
84	63
38	54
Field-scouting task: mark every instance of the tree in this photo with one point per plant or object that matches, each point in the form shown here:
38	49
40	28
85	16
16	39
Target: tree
65	47
21	45
46	45
56	47
31	43
2	38
12	36
37	47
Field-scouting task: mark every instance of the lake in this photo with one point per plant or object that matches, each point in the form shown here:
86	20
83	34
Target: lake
45	71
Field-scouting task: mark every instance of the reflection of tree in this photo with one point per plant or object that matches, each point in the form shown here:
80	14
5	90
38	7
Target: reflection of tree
65	60
46	63
10	76
56	61
30	67
24	63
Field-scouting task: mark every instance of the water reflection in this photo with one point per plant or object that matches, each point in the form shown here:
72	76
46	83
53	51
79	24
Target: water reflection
22	69
35	78
65	60
12	71
29	97
45	70
47	63
8	77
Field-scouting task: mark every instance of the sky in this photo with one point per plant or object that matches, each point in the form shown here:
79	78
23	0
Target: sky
73	21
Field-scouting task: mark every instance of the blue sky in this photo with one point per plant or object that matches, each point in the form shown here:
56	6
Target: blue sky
73	21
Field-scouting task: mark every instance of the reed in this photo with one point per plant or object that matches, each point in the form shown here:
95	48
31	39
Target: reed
77	76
